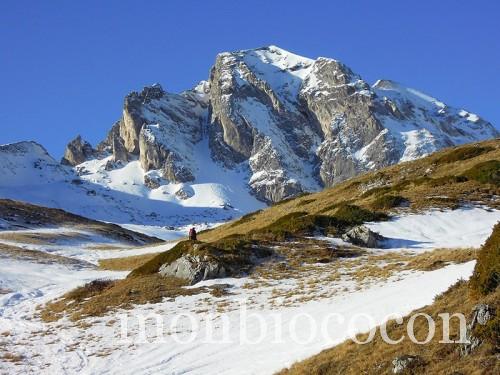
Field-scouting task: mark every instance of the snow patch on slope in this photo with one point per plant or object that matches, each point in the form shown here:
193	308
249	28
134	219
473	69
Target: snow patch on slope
463	227
424	124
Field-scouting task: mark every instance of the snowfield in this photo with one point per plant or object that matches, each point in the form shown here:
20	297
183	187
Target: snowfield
465	227
193	338
261	352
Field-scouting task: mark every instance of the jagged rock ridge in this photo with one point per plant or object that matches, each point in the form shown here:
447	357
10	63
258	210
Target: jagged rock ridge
293	123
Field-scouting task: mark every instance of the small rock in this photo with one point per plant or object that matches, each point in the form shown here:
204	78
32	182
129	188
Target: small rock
405	362
184	192
151	181
110	165
482	314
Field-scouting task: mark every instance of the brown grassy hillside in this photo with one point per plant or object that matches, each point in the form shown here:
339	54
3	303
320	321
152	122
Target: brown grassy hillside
468	173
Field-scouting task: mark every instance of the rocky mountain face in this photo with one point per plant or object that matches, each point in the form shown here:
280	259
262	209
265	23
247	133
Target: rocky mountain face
292	123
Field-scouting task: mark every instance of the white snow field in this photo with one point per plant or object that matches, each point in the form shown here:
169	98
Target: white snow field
465	227
183	346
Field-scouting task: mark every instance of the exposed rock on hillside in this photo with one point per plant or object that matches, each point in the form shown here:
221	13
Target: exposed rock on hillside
363	236
193	269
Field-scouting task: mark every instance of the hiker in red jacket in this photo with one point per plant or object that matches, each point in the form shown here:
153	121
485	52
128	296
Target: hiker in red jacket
192	234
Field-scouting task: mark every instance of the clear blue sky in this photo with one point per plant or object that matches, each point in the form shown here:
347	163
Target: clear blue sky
65	66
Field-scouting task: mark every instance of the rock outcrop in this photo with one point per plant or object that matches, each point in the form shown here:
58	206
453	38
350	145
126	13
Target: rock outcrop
184	192
193	268
256	116
78	151
152	181
363	236
481	315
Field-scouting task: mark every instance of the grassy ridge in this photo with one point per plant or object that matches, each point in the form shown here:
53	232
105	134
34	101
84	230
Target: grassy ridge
233	252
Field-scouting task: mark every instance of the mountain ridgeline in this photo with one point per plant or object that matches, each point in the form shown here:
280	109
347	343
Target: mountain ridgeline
291	124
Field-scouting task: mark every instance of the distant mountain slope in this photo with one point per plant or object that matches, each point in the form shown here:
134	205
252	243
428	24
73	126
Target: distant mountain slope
30	174
15	215
292	123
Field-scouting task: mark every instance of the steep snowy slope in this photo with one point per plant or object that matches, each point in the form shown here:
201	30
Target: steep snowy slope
421	124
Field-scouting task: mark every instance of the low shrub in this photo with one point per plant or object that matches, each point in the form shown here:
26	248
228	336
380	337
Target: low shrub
490	331
376	191
301	223
291	224
350	214
290	199
487	172
305	202
464	153
386	202
405	183
446	180
444	202
296	224
246	218
90	289
486	276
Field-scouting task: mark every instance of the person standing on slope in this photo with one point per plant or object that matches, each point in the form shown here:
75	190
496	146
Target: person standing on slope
192	234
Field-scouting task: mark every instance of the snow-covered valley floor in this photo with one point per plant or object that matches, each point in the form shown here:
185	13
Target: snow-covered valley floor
259	327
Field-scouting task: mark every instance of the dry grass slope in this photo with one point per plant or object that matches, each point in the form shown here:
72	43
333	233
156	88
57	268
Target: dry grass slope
101	296
376	357
125	263
447	178
486	277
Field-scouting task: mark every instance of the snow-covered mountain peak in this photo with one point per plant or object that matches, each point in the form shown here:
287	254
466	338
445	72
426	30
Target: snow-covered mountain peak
267	124
31	148
274	68
28	163
277	57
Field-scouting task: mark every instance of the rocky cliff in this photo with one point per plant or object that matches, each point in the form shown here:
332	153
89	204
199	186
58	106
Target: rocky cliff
292	124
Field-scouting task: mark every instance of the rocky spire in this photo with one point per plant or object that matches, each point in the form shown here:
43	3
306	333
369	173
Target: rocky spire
77	151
